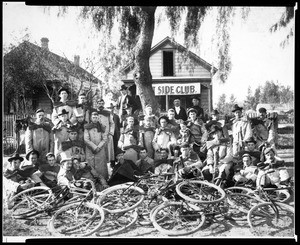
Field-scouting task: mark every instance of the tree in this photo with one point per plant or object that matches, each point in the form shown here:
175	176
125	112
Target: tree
250	102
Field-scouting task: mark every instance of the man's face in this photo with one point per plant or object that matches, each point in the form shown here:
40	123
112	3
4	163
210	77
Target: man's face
40	116
73	135
195	102
129	110
81	99
238	114
163	123
147	122
94	118
143	154
80	119
33	159
176	102
270	156
67	165
15	164
123	92
120	158
262	115
63	117
76	164
185	151
148	110
51	160
183	127
100	105
251	146
63	95
246	161
193	115
130	122
163	154
171	115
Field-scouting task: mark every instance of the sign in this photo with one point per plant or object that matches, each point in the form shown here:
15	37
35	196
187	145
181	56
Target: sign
177	88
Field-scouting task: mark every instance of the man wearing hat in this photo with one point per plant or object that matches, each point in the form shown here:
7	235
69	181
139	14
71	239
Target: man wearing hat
200	111
80	122
180	113
65	177
83	107
106	119
73	147
173	124
241	130
250	148
60	130
248	174
163	137
123	100
199	132
95	139
39	135
63	103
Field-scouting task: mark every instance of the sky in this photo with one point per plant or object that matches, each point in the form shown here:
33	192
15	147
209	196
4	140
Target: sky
256	55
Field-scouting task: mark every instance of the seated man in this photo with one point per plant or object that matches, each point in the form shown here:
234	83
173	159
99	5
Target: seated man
15	180
250	149
248	173
48	172
274	166
65	176
164	164
145	163
83	170
123	170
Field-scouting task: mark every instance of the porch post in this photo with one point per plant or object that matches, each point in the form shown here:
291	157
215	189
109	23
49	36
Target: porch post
167	102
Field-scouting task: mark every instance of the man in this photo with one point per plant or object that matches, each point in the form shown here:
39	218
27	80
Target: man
73	147
106	119
123	170
241	130
117	128
83	104
129	113
248	173
65	104
65	176
173	124
95	140
196	106
60	131
180	113
39	135
250	149
145	163
80	123
122	101
199	133
163	164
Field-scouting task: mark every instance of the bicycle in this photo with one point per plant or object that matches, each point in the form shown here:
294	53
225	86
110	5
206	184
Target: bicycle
270	216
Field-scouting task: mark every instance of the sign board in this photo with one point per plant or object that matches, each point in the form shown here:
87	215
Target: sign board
176	88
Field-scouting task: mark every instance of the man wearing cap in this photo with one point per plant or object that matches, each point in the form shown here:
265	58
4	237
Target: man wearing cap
200	111
60	131
63	103
248	173
199	132
39	135
164	137
129	140
180	113
106	119
73	147
250	149
83	106
275	167
65	176
241	130
95	139
129	113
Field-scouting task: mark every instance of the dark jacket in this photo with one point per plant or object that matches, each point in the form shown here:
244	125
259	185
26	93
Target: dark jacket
181	115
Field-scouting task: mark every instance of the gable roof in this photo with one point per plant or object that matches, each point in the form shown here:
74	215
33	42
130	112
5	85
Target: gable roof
168	40
54	66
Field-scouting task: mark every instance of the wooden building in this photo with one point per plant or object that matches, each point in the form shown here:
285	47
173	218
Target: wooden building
177	72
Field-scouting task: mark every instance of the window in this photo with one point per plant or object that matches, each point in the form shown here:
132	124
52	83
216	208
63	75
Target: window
168	66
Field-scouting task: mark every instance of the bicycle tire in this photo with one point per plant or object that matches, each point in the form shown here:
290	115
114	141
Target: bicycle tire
120	198
279	195
117	223
29	200
199	191
239	189
264	220
178	218
88	219
10	146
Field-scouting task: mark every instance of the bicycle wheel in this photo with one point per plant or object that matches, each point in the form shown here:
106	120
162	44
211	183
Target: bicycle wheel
10	146
121	198
279	195
116	223
27	201
177	218
200	191
271	219
239	189
76	219
145	210
240	204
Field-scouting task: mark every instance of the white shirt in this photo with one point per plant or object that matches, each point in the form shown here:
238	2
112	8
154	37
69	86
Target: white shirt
177	109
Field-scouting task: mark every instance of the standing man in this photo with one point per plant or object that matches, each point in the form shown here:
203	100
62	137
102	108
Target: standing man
39	135
196	106
95	140
180	113
106	119
83	104
80	122
122	101
117	128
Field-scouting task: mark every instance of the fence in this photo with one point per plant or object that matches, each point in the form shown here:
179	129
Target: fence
9	125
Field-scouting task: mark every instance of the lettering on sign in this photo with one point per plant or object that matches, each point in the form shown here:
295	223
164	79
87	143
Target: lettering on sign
177	89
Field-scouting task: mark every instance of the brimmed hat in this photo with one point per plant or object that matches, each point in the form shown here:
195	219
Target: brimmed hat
63	112
236	108
214	128
72	128
214	112
123	87
250	139
119	151
267	150
191	110
50	154
163	117
78	112
31	152
246	155
15	157
95	113
63	89
39	110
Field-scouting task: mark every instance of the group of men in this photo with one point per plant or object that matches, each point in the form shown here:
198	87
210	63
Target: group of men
85	142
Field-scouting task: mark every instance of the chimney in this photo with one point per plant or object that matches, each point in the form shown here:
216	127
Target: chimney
44	43
76	60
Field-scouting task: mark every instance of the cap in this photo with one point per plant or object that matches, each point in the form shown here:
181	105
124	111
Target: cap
215	112
267	150
250	139
236	108
63	89
123	87
39	110
191	110
32	152
262	110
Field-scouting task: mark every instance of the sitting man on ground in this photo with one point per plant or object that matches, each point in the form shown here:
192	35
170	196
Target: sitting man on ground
145	163
164	164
